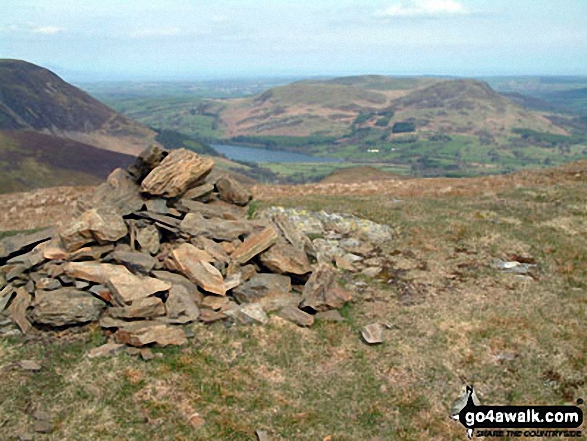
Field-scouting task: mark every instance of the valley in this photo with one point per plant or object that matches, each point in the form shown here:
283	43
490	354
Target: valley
422	126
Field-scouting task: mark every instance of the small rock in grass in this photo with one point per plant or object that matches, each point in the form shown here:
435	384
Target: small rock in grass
373	333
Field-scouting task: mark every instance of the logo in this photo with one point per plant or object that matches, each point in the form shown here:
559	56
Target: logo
516	421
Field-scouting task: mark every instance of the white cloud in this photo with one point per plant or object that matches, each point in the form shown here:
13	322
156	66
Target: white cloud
48	30
424	8
156	32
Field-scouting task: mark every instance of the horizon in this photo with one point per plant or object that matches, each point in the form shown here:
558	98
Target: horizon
152	40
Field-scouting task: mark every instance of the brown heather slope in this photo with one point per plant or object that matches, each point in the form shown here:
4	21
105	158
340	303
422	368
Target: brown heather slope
30	160
35	99
54	206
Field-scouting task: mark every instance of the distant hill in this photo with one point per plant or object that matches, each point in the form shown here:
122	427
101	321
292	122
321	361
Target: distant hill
35	99
333	108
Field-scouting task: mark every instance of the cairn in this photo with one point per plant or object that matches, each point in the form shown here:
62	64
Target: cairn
158	246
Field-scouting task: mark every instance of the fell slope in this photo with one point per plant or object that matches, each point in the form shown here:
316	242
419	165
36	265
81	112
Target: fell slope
30	160
35	99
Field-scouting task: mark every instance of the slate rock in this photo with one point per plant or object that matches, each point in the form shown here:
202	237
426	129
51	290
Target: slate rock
322	292
194	224
97	224
18	307
297	316
136	262
255	244
139	334
22	243
285	258
65	307
178	172
120	192
145	308
149	158
263	286
149	239
232	192
181	307
106	350
189	261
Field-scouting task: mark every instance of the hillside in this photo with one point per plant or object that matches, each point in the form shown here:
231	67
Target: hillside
333	107
35	99
30	160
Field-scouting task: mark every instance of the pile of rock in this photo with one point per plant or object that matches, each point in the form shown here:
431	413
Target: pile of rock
158	246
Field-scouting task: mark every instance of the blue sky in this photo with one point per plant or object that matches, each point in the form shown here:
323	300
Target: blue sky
208	39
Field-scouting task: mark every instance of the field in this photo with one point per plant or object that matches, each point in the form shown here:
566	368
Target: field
453	319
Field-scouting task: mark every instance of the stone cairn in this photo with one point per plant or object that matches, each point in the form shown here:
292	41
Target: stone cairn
158	246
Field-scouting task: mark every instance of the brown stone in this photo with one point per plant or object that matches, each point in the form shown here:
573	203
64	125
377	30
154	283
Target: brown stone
297	316
47	284
199	192
232	192
91	253
188	260
285	258
97	224
255	244
18	307
143	333
55	251
106	350
322	292
194	224
214	302
127	288
124	285
65	307
145	308
179	171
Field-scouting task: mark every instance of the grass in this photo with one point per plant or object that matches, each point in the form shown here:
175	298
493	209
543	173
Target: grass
453	319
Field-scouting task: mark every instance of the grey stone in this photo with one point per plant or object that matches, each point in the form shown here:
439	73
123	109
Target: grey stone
145	308
194	224
262	286
22	243
136	262
65	307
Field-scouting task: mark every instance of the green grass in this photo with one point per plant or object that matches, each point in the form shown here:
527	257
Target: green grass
451	313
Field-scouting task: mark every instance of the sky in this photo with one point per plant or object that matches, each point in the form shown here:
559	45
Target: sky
222	39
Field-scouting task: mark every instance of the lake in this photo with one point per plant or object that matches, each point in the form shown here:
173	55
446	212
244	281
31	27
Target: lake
252	154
